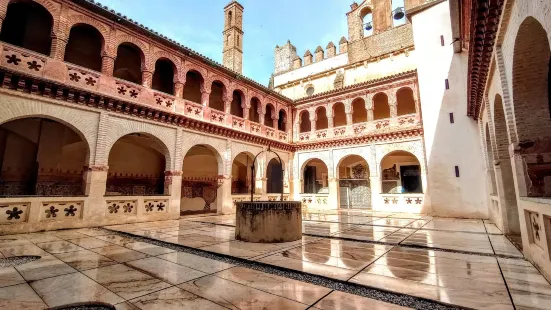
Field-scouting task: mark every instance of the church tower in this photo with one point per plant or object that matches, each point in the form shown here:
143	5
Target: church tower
233	36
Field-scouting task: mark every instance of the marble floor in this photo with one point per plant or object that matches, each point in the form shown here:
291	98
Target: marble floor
345	260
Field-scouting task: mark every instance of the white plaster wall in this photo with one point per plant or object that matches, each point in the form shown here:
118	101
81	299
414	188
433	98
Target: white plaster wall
315	67
447	145
352	75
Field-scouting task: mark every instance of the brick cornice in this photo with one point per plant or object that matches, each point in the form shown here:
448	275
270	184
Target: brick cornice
483	19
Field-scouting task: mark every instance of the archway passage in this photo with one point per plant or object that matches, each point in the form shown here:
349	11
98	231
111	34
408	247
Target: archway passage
41	157
236	108
136	166
360	113
367	21
532	105
84	47
339	115
128	65
381	109
275	176
282	121
253	111
199	180
163	77
216	97
401	174
268	121
354	186
193	86
315	177
305	125
321	119
405	102
28	25
241	173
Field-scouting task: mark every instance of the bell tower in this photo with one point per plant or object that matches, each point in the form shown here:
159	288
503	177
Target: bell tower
233	36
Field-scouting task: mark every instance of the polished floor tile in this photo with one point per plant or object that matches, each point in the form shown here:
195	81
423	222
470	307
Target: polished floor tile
59	247
165	270
195	262
125	281
459	225
90	242
345	301
459	241
173	298
85	259
20	297
73	288
237	296
147	248
119	253
503	246
47	266
9	276
528	288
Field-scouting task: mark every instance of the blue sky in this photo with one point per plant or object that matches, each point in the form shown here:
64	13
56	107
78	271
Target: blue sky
198	24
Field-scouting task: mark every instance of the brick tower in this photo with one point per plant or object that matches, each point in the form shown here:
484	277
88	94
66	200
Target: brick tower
233	36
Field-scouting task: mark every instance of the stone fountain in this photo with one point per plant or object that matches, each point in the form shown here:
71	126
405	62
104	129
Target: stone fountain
268	221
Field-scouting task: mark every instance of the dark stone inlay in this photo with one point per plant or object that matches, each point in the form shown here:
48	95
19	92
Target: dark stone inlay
85	306
18	260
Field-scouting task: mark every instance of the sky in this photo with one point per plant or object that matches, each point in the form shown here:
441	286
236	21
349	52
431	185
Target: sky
198	24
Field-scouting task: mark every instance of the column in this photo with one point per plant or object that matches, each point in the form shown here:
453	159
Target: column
107	65
329	121
333	193
147	78
312	122
274	122
375	184
246	112
369	115
349	118
205	98
261	118
393	110
95	183
173	187
264	189
57	50
224	202
179	89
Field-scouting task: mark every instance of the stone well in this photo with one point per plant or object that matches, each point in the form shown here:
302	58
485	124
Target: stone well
268	221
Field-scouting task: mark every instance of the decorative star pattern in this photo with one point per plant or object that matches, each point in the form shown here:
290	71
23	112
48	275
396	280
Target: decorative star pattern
51	212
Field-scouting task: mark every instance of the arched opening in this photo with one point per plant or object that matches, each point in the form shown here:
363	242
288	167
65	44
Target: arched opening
241	173
490	161
315	177
216	97
275	175
268	121
305	125
136	166
531	104
381	109
367	21
163	77
401	173
193	86
128	65
405	101
236	103
230	18
41	157
282	120
84	47
354	187
253	110
359	114
199	180
28	25
321	118
505	168
339	115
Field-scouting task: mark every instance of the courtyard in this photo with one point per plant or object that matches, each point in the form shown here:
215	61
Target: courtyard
347	259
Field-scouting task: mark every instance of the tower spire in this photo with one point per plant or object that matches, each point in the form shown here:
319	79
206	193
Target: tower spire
233	36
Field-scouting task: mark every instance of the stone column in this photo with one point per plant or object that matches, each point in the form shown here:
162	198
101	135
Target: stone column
107	65
246	112
179	89
261	118
57	50
333	193
312	122
370	115
224	202
349	120
264	189
393	110
205	98
147	78
375	184
329	121
173	187
94	183
274	122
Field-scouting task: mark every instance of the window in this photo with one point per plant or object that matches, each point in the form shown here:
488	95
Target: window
310	91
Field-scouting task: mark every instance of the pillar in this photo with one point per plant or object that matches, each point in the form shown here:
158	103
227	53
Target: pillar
147	78
349	120
369	115
375	184
205	98
393	110
246	112
173	187
179	89
57	50
329	121
264	189
95	183
312	122
333	200
107	65
224	202
261	118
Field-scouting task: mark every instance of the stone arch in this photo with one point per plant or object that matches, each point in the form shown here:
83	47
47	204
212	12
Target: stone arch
217	154
353	173
126	65
310	177
366	19
13	108
143	47
164	75
241	173
218	94
405	101
489	158
381	107
77	19
339	159
269	115
188	66
165	137
39	16
401	172
359	112
413	147
218	145
169	56
255	108
194	86
321	118
282	120
237	103
339	114
304	121
85	46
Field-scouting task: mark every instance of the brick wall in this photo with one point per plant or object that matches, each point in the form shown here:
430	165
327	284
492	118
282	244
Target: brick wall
380	44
